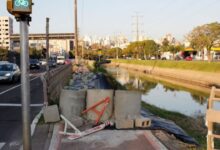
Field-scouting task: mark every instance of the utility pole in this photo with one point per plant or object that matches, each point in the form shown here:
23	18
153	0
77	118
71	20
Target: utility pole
47	44
76	32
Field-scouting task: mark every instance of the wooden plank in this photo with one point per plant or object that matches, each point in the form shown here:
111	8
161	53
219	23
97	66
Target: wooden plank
216	136
213	116
215	99
212	95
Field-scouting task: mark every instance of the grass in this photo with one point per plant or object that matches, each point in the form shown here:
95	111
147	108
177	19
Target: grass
187	65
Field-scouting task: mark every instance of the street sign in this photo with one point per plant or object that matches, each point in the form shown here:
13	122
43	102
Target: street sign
19	7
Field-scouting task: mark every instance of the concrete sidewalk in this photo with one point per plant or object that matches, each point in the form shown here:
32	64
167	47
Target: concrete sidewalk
42	137
108	140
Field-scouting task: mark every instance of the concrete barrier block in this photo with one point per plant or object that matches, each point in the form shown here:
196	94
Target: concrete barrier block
93	96
142	122
51	114
124	124
127	104
72	103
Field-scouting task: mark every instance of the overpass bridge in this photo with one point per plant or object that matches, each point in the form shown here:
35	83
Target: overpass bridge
42	36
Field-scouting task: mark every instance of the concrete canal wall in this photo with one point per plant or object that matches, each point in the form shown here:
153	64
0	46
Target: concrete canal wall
203	80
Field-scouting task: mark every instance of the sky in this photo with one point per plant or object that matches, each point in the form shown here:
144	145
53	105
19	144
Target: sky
114	17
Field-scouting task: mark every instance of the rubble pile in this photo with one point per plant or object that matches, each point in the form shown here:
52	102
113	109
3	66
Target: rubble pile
84	81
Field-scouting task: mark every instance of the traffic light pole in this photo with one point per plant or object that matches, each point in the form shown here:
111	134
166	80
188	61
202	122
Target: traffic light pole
47	44
25	82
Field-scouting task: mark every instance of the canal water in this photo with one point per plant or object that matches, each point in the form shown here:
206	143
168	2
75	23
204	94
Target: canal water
162	94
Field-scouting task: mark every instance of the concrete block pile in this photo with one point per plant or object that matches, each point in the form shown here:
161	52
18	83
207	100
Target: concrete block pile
124	107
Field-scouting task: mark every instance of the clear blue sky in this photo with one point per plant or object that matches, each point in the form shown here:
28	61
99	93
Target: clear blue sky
110	17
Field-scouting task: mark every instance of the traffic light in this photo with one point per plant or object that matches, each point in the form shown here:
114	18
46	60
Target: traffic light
19	7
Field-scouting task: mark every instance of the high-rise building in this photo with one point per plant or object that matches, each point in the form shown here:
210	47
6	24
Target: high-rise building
6	30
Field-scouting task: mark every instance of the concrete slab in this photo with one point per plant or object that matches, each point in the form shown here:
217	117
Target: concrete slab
93	96
51	114
115	140
72	103
127	104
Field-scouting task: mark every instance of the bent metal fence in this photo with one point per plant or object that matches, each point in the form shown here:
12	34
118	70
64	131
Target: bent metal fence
54	81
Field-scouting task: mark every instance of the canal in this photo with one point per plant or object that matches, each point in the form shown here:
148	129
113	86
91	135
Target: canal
163	94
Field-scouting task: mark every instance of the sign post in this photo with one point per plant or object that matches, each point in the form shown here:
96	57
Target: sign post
22	9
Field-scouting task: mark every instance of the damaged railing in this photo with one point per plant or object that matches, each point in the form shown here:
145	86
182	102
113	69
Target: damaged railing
212	116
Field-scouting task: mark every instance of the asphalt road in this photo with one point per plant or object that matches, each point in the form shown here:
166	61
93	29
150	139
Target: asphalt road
10	110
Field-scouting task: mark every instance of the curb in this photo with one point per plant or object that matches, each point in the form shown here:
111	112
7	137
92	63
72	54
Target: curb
55	143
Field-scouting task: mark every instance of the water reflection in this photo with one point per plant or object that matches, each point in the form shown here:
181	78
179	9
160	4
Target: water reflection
167	96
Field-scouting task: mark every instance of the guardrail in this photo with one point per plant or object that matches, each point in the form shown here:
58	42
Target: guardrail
212	116
54	81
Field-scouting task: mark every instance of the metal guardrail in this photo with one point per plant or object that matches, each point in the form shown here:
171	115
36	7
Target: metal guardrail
56	80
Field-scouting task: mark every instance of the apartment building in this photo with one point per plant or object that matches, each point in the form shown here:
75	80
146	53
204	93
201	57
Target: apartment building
6	29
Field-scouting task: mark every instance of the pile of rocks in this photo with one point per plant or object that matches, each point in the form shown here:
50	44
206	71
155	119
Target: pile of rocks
83	81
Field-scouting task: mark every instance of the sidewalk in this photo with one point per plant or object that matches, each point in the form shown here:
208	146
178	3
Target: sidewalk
106	140
42	137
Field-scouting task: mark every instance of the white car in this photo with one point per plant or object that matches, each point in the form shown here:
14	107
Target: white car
60	60
9	72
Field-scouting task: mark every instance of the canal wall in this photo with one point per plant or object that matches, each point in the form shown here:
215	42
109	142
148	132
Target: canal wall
204	80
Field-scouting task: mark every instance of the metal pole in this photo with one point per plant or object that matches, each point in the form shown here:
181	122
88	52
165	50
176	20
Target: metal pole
25	85
76	32
47	44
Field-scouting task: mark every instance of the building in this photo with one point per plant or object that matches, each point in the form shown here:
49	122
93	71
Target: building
6	30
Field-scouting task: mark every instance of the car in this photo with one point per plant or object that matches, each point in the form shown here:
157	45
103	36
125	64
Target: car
9	72
34	64
60	60
188	58
68	61
43	61
52	63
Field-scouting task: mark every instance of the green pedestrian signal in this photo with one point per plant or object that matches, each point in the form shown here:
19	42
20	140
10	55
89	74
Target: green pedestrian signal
19	7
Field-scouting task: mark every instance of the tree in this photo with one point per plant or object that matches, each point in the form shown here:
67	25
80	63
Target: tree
175	48
150	47
3	54
165	45
142	49
205	36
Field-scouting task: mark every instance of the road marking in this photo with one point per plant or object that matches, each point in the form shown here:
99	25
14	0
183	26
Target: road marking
1	145
15	87
19	105
35	121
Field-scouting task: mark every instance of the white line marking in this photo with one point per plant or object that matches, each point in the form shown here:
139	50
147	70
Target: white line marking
19	105
33	125
15	87
1	145
35	121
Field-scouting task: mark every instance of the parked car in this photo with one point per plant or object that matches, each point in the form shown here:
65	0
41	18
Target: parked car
188	58
34	64
9	72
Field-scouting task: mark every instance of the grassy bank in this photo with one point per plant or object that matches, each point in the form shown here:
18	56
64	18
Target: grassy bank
194	127
187	65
